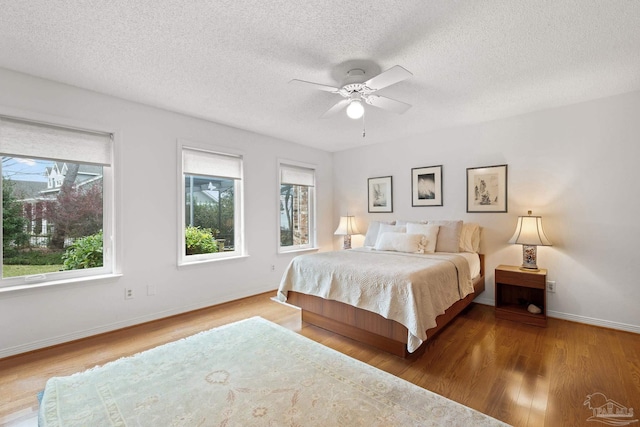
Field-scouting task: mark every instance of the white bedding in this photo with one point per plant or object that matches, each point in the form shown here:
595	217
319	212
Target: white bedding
474	263
412	289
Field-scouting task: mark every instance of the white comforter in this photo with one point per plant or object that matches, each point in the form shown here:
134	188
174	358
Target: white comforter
411	289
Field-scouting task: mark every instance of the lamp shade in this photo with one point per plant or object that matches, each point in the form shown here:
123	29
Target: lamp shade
529	232
347	226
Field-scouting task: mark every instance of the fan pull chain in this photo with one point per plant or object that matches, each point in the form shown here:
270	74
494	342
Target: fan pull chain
363	131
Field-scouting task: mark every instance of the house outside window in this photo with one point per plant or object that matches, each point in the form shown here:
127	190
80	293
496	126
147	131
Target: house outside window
297	207
56	202
211	222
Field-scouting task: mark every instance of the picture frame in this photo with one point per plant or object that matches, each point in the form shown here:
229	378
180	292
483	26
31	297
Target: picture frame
487	189
426	186
380	191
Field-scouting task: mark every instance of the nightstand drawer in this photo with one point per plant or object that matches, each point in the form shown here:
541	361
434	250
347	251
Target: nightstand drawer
520	279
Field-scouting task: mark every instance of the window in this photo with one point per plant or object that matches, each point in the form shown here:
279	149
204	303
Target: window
56	202
211	223
297	207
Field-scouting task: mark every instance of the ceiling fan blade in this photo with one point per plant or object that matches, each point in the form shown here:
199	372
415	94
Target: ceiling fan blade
393	75
340	105
316	85
388	103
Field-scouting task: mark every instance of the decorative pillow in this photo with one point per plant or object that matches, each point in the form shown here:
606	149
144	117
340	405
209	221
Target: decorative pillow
448	236
385	228
399	242
372	232
470	237
430	233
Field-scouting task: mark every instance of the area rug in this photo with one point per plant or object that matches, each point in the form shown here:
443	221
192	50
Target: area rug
249	373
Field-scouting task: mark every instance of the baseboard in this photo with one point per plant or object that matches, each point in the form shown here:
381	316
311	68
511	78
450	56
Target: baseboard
595	322
578	319
61	339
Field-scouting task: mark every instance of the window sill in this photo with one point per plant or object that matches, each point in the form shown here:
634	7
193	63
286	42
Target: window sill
297	250
207	261
30	286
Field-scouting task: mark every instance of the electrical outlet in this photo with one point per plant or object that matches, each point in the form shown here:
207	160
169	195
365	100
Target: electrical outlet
551	286
128	293
273	267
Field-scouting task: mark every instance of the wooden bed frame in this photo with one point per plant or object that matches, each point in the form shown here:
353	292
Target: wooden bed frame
371	328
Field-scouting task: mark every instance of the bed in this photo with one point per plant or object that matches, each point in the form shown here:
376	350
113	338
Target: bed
390	297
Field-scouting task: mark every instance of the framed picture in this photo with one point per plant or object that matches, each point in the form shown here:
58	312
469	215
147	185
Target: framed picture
380	194
426	186
487	189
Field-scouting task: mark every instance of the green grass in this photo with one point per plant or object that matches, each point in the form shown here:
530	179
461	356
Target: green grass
27	270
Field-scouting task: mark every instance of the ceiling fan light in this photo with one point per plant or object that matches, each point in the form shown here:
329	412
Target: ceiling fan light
355	110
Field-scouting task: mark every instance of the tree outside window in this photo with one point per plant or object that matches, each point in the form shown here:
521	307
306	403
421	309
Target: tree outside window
44	219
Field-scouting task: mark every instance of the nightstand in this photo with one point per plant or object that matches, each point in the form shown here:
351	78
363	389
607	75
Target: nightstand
516	289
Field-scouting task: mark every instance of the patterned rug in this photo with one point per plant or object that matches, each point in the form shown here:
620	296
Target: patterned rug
249	373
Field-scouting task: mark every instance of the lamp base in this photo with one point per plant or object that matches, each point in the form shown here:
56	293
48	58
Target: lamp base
347	242
529	256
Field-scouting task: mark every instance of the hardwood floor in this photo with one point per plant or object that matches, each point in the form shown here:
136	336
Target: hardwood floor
522	375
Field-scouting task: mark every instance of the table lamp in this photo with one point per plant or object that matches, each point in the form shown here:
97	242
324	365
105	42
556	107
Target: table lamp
530	235
347	228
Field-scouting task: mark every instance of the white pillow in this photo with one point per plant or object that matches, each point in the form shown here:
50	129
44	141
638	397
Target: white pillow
388	228
430	233
399	242
372	232
448	236
470	237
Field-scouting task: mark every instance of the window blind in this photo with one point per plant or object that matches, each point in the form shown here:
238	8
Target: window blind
40	140
297	175
207	163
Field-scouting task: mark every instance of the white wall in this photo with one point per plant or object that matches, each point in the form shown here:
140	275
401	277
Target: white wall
576	166
147	219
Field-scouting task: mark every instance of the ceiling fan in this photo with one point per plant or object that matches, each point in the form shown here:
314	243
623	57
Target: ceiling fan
355	92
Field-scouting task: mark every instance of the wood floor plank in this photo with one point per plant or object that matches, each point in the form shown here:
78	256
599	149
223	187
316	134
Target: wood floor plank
521	374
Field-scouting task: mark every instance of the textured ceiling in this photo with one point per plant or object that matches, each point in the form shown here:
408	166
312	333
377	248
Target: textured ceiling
231	61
